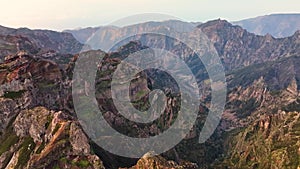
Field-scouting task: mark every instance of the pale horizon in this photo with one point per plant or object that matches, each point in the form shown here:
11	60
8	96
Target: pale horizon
61	15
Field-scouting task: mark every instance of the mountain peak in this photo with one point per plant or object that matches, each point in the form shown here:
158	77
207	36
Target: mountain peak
297	33
217	22
220	25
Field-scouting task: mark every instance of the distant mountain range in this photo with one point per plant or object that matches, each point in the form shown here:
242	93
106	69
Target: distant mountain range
105	36
277	25
34	41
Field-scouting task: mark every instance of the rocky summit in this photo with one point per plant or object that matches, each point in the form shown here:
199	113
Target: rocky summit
39	127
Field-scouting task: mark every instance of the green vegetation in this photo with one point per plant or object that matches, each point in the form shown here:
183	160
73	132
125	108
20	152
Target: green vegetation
83	163
8	139
46	85
56	129
294	106
141	93
13	94
56	167
25	150
247	108
259	147
41	148
49	120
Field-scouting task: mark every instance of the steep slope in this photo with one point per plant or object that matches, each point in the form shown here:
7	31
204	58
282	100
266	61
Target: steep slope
101	36
270	142
10	44
278	25
236	47
239	48
271	139
261	119
277	74
37	130
42	138
45	40
150	161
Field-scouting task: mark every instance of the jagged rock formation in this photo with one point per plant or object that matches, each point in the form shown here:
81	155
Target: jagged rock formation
270	142
161	163
236	47
239	48
33	136
41	138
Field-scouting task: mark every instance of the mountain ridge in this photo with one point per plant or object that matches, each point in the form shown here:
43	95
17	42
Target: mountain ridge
278	25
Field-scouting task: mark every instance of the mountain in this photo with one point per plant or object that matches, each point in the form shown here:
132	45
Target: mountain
36	131
239	48
277	25
10	44
34	41
259	128
101	36
270	136
234	45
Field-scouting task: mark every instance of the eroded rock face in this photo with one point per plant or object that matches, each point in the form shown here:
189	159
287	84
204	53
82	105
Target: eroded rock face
161	163
270	142
32	123
269	136
78	139
35	136
239	48
47	139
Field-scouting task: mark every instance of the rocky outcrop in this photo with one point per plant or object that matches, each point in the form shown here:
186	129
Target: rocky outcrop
45	139
269	137
158	162
270	142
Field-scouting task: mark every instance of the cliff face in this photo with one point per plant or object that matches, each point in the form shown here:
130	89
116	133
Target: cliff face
42	138
35	136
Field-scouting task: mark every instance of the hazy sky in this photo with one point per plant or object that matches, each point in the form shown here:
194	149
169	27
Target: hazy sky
63	14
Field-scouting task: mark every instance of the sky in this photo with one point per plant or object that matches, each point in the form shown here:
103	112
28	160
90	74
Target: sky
69	14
